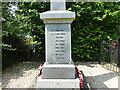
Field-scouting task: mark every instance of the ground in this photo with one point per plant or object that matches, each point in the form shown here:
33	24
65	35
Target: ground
97	76
20	75
23	75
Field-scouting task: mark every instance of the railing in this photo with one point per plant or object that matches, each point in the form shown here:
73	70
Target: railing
110	55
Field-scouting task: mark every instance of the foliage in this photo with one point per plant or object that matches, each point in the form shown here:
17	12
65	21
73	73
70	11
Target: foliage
94	20
12	39
29	14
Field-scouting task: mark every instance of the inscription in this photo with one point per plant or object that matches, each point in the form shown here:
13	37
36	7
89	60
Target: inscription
61	54
58	30
60	57
57	40
57	47
62	44
61	47
62	40
61	37
59	43
62	33
57	33
52	33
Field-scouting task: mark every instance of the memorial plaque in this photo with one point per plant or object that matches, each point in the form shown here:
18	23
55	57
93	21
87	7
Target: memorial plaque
58	43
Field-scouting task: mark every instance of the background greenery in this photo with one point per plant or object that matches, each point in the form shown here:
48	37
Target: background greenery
94	21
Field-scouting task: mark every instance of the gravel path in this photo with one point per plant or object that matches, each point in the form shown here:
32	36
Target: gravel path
23	75
99	77
20	75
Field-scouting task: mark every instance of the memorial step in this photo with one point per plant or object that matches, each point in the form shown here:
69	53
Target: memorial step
58	83
58	71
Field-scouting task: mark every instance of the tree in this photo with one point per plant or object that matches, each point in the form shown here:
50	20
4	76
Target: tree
12	38
94	20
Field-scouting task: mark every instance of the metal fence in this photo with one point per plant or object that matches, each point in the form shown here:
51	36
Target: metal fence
110	55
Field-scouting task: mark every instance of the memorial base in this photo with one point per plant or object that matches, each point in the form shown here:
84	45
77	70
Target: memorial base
58	71
76	82
58	83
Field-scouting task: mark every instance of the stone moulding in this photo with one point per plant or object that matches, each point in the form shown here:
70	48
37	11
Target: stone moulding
57	15
58	21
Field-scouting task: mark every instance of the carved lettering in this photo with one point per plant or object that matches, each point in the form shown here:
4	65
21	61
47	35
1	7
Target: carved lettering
62	33
62	44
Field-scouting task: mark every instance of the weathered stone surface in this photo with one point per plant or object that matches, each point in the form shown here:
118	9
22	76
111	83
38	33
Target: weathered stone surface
58	35
57	15
58	71
57	5
57	83
58	42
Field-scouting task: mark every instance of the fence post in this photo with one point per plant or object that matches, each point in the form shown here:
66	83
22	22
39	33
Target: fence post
100	51
119	52
110	52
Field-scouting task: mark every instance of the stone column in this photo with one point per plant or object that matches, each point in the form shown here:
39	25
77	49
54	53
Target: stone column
59	64
58	41
57	5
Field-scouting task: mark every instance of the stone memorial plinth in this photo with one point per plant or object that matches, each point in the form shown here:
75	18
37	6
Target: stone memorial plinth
58	71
